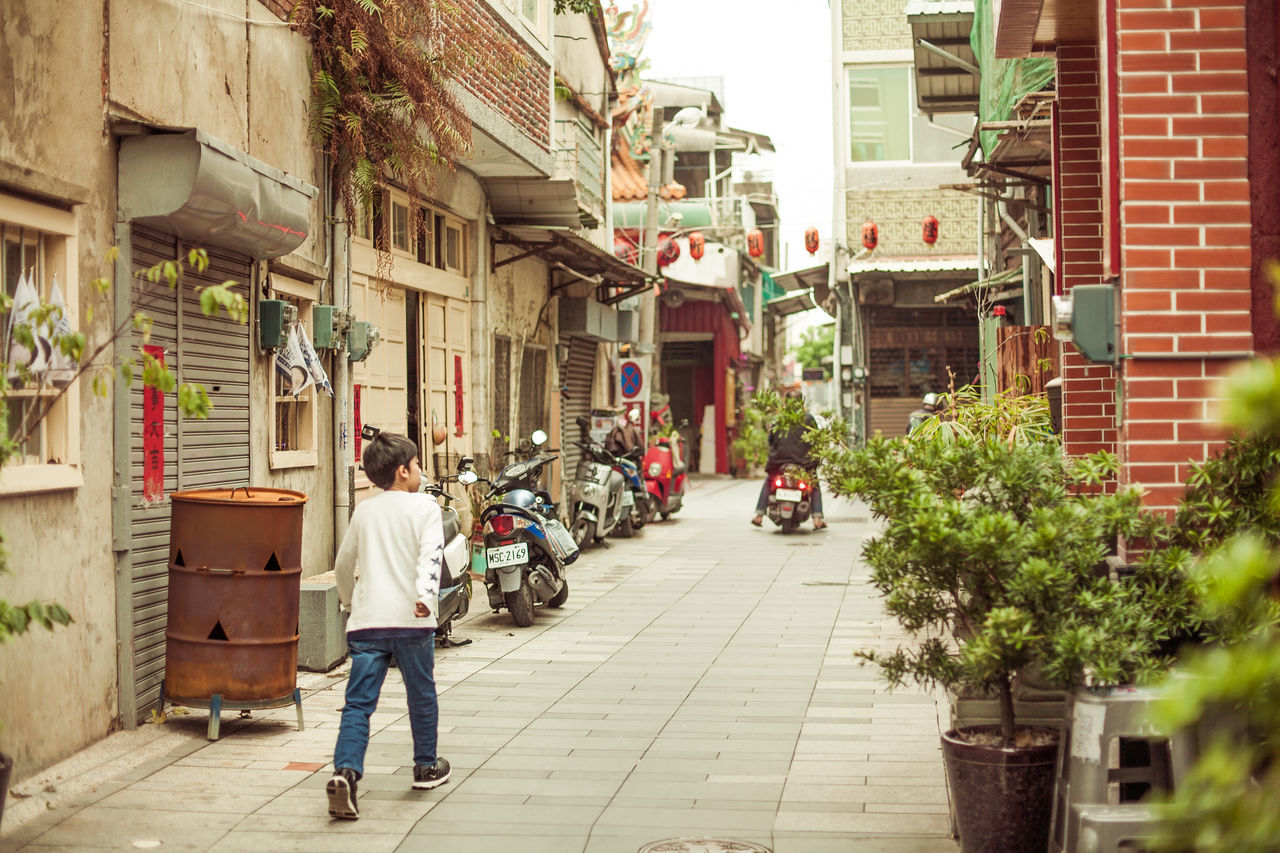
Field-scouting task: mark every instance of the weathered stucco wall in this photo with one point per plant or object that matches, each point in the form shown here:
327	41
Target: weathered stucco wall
57	691
237	73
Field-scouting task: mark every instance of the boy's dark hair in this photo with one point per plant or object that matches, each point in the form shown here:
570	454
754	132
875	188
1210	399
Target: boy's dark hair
384	454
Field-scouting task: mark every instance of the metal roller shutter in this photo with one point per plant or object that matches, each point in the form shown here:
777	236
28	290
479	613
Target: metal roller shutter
575	400
212	351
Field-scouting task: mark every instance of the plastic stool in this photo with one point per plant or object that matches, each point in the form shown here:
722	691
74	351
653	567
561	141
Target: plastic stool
1085	773
1102	829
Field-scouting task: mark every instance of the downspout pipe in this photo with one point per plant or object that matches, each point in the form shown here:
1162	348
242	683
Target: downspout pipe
1027	303
343	441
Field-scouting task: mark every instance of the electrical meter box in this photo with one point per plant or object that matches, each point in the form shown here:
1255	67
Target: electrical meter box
1093	321
326	332
361	339
274	316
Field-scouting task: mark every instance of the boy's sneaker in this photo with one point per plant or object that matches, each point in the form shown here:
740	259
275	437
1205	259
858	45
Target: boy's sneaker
342	794
426	777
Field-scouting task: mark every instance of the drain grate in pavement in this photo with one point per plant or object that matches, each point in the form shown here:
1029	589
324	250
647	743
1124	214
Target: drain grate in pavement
825	583
703	845
848	519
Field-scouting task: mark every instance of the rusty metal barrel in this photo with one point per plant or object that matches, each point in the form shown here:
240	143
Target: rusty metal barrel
235	568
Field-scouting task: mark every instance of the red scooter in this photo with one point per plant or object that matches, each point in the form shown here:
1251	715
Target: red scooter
665	475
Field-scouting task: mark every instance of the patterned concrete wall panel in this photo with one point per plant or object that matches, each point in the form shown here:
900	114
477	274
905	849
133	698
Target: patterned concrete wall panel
899	215
875	25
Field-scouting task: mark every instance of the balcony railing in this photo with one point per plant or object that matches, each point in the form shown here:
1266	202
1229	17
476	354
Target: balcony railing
580	158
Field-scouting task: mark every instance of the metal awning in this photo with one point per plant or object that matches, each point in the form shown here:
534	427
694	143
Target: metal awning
792	303
946	69
203	190
930	267
813	280
996	280
578	256
632	214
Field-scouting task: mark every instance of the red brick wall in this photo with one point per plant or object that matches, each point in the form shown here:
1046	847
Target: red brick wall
1088	390
522	94
1185	218
519	90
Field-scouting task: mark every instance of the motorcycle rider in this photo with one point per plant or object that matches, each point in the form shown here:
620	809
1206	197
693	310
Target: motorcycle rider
928	408
626	436
790	448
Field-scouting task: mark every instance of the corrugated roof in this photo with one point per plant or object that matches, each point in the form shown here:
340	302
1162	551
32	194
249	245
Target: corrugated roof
943	263
939	7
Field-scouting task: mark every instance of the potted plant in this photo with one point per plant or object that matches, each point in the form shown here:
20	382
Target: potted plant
989	556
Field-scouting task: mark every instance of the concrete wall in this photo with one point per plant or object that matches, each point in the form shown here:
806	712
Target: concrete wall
171	65
57	691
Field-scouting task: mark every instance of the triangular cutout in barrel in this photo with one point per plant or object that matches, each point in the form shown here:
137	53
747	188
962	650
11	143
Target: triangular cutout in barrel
177	559
217	633
273	565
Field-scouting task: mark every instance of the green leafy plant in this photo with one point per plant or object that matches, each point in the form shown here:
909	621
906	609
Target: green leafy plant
990	555
1227	800
94	359
1012	416
814	346
752	443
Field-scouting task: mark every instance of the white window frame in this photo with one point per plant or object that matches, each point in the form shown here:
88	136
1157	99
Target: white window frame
304	296
362	228
849	70
60	432
452	226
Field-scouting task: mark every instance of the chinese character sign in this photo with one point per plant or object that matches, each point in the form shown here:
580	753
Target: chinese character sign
153	436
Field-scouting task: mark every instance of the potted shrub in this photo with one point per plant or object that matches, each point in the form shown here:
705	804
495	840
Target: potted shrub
990	556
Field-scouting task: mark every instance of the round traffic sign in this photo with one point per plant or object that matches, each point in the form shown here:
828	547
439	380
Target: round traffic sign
631	379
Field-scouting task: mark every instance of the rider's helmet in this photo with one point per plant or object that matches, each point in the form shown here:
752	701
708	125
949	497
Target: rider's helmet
930	401
633	416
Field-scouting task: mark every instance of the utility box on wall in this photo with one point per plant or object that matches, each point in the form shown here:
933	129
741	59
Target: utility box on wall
581	317
1087	318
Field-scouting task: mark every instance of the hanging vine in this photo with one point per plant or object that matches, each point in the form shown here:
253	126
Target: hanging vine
384	94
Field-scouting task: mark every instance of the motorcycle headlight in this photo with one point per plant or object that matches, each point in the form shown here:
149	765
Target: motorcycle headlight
655	469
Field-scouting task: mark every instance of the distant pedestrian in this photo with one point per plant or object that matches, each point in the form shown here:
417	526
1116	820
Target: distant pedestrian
928	408
397	540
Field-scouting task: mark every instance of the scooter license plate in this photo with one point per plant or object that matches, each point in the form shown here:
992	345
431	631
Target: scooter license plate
628	499
788	495
507	555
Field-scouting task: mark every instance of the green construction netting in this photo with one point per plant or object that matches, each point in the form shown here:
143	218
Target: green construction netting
771	289
1004	81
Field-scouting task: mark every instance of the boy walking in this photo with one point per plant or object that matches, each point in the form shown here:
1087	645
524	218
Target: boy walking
397	540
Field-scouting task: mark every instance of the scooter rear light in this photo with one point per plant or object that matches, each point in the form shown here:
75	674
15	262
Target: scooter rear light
778	483
505	525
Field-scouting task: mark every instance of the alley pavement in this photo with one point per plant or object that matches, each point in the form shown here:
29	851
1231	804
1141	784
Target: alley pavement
700	683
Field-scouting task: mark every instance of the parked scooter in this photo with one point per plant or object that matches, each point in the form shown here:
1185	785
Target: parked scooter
665	473
526	546
790	492
598	495
455	581
454	597
628	465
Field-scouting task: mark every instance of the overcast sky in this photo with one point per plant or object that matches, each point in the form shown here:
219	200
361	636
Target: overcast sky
775	59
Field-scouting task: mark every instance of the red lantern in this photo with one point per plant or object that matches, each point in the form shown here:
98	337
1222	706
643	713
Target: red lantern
626	251
697	245
668	251
870	235
929	230
811	240
755	242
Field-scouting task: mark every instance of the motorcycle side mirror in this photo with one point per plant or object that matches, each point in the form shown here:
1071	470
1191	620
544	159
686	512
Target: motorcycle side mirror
466	478
369	432
538	438
582	421
465	463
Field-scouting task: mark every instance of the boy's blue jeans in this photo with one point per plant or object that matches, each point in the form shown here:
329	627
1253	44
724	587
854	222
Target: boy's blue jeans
370	657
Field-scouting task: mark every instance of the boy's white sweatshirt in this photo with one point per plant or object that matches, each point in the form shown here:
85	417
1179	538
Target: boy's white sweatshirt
397	540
